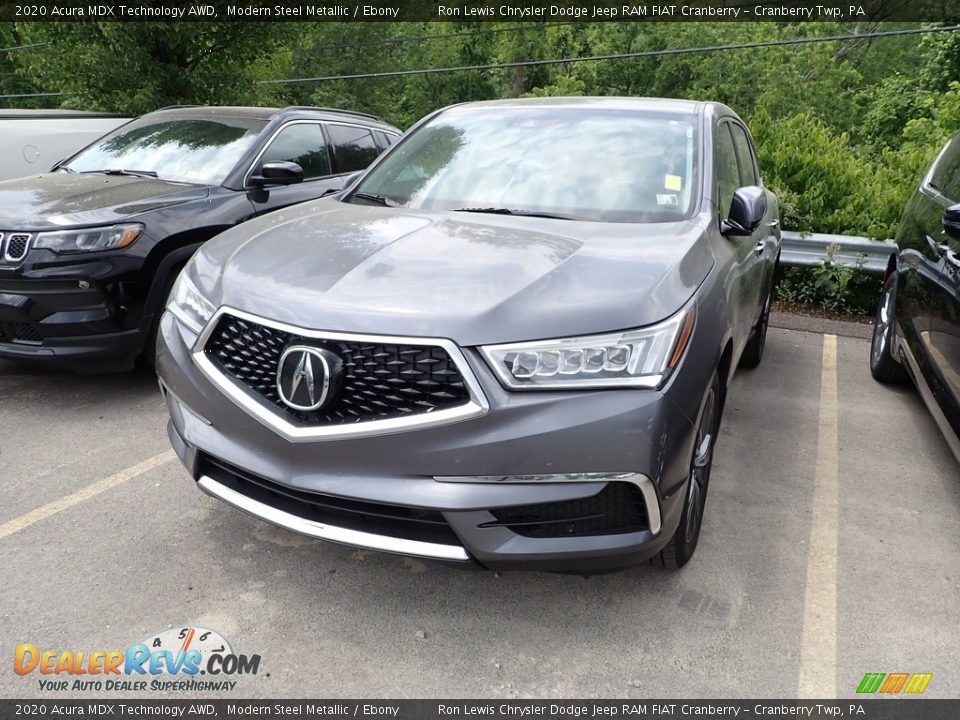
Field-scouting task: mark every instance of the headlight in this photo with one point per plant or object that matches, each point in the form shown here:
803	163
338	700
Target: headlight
634	358
88	239
188	305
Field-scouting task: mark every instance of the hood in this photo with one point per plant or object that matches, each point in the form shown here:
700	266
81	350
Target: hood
475	279
58	200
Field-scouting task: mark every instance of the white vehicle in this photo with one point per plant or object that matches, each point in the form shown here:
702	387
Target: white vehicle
33	141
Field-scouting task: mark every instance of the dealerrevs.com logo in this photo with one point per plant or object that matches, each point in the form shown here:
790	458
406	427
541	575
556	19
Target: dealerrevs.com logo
172	660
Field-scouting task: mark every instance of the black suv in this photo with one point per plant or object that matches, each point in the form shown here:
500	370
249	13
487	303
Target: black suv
917	328
89	251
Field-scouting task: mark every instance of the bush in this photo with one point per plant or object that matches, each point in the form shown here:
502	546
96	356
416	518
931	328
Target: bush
824	182
831	285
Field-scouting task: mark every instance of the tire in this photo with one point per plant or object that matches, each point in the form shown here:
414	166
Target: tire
683	544
753	352
150	350
884	366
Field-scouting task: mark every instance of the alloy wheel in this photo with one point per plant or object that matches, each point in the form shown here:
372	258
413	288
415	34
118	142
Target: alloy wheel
882	326
700	468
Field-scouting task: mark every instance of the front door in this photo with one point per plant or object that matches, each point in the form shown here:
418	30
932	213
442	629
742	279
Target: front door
302	143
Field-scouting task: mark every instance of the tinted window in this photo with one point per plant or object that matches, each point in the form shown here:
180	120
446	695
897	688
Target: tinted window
748	171
727	169
189	150
604	165
385	139
353	147
303	144
946	174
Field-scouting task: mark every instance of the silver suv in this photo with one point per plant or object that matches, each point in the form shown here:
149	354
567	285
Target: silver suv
508	344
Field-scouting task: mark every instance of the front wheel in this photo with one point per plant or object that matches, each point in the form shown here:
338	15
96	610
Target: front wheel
684	542
883	365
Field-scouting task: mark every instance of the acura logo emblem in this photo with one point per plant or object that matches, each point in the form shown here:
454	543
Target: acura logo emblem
306	376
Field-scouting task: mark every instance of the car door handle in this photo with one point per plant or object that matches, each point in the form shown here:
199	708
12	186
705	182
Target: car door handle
760	247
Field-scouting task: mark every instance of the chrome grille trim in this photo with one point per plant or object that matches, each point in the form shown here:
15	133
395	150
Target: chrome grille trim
254	406
644	483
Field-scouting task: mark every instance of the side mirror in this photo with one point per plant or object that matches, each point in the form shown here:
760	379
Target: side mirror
278	173
951	221
746	211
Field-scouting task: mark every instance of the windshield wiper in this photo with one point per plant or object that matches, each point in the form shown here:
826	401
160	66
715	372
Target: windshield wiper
521	213
127	173
376	199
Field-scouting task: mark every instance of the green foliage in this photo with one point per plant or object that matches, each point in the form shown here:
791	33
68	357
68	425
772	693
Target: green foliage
831	285
562	86
844	128
13	82
825	183
135	67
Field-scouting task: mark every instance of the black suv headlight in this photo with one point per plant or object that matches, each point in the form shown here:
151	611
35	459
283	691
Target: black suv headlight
114	237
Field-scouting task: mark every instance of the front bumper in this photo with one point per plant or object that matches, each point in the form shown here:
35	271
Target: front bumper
452	492
65	321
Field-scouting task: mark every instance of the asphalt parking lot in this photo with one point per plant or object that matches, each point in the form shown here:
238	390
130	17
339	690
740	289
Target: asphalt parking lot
831	548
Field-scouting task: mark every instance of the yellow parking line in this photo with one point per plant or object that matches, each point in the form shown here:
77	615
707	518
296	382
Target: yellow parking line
52	508
818	651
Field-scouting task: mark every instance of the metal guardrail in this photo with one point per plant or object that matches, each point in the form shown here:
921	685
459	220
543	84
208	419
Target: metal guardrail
807	249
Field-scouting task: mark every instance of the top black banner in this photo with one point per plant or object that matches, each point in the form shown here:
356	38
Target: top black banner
867	11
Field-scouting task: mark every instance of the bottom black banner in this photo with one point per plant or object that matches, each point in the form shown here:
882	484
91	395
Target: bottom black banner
872	709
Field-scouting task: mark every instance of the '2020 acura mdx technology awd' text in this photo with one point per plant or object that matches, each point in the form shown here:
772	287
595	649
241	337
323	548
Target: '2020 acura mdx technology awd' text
508	344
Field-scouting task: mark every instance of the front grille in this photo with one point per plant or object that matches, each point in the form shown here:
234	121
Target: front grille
381	381
618	508
16	246
387	520
19	332
26	333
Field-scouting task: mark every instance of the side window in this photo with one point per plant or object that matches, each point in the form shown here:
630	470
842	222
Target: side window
386	139
946	174
303	144
353	147
748	167
726	170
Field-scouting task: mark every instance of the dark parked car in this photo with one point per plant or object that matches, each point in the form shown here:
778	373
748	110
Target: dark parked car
916	333
88	252
508	344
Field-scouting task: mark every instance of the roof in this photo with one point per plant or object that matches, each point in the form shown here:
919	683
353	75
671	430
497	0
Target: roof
665	105
261	113
195	111
57	114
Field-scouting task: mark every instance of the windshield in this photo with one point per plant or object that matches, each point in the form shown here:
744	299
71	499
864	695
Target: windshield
190	150
579	163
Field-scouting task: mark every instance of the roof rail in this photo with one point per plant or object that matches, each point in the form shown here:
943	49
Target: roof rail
336	110
175	107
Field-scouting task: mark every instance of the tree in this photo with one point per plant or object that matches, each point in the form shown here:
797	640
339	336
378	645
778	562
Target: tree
13	82
135	67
